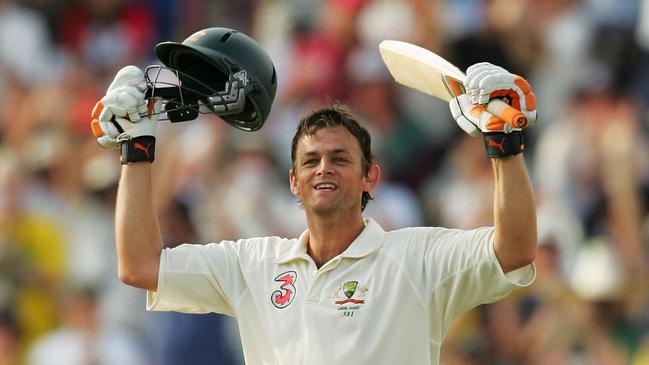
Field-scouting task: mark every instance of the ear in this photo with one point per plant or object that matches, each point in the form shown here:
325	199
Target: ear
372	178
292	179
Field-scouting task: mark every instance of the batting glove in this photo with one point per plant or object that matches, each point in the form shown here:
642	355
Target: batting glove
124	119
484	82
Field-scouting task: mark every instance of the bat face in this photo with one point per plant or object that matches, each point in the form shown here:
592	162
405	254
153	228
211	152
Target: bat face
421	69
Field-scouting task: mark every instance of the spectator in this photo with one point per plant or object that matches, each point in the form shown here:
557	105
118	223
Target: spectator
81	339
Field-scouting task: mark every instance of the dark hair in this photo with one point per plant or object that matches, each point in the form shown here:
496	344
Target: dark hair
333	116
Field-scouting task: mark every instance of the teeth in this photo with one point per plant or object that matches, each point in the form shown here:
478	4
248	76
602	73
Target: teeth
325	186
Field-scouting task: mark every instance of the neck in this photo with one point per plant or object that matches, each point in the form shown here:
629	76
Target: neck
330	236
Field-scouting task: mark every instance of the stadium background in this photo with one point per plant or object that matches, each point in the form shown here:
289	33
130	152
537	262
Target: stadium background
588	62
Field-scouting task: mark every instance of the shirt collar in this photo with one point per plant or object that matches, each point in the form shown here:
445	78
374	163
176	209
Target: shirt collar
363	245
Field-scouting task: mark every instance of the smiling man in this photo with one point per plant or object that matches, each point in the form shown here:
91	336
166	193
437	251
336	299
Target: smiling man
345	291
331	167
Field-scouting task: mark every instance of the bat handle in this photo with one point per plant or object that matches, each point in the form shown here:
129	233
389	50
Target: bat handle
505	112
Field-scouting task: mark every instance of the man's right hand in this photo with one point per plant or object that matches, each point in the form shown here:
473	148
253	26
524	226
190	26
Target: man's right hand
119	110
123	118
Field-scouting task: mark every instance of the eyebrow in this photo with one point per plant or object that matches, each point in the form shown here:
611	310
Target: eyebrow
336	151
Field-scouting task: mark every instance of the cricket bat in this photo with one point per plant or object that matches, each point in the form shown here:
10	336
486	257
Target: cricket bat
423	70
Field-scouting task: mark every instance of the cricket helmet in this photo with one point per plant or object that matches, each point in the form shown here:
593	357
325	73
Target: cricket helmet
206	61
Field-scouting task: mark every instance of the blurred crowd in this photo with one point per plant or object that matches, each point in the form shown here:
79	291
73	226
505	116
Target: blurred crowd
587	60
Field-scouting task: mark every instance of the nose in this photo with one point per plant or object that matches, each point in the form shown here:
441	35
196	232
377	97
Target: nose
325	167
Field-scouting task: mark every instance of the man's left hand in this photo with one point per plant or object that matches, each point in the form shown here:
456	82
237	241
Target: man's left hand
484	82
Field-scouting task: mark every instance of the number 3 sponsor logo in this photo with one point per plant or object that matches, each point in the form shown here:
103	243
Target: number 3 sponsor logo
284	296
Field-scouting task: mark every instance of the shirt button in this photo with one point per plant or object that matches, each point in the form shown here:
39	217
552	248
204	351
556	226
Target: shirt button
315	273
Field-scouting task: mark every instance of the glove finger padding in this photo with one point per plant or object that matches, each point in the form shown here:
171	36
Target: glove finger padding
475	75
131	76
474	119
105	133
486	81
461	120
129	100
125	101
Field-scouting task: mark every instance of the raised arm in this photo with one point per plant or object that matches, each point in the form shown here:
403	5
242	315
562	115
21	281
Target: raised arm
514	209
137	231
124	120
514	213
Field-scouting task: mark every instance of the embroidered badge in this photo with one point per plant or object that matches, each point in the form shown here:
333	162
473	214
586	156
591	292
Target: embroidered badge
349	296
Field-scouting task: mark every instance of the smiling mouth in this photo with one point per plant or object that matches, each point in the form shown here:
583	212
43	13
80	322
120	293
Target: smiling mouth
325	187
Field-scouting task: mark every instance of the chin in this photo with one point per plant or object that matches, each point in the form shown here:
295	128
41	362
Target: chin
324	207
329	208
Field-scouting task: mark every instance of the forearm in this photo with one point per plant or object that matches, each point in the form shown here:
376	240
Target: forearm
514	213
136	226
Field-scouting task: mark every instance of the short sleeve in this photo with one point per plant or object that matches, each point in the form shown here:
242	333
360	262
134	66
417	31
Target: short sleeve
198	279
467	272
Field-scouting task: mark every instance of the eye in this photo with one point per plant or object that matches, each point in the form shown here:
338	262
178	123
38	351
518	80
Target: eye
310	162
340	160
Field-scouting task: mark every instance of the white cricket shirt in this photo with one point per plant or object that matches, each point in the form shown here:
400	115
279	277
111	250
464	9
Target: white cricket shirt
388	299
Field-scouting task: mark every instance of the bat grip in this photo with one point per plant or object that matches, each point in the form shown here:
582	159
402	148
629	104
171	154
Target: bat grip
505	112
